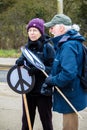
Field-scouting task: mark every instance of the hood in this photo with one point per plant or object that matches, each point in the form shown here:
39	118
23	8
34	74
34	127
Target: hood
74	35
69	35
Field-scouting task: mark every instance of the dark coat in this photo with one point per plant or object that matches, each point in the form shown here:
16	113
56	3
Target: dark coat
45	52
66	67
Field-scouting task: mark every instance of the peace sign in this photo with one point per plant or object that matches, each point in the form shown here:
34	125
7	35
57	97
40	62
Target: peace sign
19	79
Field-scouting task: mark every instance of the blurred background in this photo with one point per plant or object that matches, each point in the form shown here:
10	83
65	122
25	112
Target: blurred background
15	14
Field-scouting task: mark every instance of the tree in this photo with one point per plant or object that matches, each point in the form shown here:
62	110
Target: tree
14	16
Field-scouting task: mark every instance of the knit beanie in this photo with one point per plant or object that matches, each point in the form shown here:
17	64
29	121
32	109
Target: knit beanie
36	23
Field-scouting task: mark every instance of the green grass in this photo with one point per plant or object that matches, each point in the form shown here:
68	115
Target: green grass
10	53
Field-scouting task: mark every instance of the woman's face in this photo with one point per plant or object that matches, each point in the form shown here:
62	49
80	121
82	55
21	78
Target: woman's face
34	34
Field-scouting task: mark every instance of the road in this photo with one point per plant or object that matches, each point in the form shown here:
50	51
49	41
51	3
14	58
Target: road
11	110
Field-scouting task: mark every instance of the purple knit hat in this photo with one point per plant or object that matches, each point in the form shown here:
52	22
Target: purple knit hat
37	23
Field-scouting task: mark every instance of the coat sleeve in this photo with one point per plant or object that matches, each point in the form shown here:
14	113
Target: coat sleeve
49	55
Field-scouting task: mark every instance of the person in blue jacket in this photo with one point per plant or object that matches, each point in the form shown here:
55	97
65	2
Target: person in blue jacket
39	45
67	66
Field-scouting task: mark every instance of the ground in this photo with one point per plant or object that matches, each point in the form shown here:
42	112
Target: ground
11	112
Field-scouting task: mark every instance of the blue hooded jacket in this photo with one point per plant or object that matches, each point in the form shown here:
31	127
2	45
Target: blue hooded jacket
66	67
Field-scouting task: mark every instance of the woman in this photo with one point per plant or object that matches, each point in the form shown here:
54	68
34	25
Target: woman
37	43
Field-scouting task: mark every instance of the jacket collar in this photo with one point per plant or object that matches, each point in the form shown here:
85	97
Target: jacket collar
71	34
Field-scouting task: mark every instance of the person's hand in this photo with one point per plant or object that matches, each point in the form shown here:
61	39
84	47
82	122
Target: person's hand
19	62
48	81
47	87
46	90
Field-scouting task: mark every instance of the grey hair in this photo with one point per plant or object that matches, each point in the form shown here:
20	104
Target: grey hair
74	26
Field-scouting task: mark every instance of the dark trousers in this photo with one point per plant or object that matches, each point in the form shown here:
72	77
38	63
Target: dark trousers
44	105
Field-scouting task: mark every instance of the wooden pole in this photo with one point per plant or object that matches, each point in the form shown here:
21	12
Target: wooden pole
27	112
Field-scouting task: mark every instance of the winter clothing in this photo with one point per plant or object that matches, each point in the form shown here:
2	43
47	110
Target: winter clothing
47	81
66	68
20	62
45	52
70	121
46	89
59	19
36	23
33	71
44	104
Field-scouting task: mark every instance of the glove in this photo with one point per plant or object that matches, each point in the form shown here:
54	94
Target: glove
47	87
33	71
19	62
46	90
48	81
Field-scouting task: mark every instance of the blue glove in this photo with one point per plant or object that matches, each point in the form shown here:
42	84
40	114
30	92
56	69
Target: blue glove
48	81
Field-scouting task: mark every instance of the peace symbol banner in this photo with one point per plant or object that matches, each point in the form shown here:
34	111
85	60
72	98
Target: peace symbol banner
19	79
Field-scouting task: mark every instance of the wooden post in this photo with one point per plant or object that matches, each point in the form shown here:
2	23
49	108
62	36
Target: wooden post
59	6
